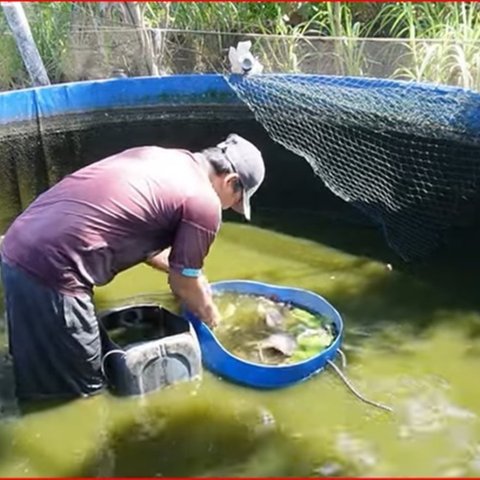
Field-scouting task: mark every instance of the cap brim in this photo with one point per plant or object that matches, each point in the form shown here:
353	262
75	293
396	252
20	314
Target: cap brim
243	206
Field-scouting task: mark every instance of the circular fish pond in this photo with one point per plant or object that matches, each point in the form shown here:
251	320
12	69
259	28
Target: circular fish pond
224	363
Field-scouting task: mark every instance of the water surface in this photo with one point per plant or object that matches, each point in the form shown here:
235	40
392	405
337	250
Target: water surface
411	342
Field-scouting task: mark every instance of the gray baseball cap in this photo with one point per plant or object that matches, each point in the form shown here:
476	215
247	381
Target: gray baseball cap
247	162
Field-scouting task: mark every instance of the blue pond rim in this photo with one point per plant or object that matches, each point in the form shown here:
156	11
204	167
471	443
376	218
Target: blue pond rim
221	362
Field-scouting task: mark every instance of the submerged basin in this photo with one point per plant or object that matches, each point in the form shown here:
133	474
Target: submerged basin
149	348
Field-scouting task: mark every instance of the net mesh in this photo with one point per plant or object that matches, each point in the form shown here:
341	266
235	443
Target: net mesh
408	156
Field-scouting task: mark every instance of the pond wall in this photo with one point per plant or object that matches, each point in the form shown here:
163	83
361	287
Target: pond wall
47	132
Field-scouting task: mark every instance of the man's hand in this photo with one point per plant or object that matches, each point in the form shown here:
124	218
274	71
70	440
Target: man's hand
195	294
213	318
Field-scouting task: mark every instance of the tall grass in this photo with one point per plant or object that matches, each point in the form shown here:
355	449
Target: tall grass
441	40
234	19
12	72
50	25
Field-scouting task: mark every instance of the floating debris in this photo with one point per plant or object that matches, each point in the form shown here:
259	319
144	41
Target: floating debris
259	329
280	342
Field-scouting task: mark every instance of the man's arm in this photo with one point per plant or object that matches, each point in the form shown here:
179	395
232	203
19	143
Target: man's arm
197	298
194	292
195	233
159	261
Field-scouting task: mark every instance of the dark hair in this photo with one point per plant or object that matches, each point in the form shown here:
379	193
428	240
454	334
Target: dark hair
220	164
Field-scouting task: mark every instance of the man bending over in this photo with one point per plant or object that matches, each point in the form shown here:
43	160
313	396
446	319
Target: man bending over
146	204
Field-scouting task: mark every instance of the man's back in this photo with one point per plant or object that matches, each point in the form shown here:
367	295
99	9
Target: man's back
110	216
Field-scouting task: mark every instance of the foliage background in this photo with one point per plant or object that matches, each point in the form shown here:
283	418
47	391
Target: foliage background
433	42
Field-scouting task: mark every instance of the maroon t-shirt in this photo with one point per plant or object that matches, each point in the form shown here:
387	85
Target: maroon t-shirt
112	215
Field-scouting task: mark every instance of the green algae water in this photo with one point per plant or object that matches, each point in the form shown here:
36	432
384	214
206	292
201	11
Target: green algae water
267	331
411	339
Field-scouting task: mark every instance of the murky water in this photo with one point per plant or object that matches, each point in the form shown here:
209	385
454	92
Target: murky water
412	341
265	330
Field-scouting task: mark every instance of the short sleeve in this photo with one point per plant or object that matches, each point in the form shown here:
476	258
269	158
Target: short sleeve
195	234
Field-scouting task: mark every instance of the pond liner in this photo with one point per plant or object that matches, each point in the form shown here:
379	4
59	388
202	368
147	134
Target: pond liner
48	132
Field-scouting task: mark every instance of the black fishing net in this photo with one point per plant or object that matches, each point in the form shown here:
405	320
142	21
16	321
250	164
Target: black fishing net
407	155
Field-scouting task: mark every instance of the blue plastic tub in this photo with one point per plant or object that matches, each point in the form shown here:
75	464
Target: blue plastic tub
221	362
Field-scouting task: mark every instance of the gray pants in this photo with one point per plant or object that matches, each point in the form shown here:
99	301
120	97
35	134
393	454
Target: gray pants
54	339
